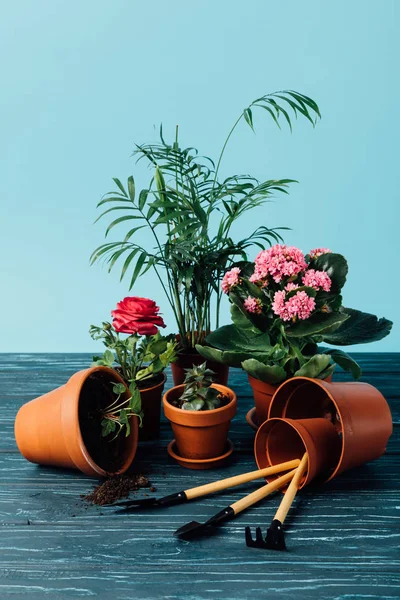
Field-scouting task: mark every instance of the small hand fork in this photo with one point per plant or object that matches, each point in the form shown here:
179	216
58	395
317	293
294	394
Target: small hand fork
275	539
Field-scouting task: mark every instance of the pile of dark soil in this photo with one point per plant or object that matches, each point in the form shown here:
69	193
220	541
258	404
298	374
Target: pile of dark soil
116	487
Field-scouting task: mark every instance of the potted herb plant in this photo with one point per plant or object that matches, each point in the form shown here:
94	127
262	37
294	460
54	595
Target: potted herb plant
90	423
284	305
200	413
140	357
189	211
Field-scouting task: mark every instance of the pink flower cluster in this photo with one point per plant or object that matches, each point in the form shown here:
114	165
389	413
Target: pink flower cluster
319	280
318	252
299	306
278	262
230	280
253	305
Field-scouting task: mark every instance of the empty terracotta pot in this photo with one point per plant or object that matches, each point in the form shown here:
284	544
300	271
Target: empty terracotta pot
151	407
263	393
49	430
358	411
200	434
280	440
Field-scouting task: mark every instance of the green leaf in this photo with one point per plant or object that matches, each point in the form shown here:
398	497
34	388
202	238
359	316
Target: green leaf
140	262
319	323
248	117
346	362
193	405
230	337
143	198
131	188
335	265
228	357
121	187
135	403
108	358
120	220
107	427
119	388
128	261
272	374
312	368
359	328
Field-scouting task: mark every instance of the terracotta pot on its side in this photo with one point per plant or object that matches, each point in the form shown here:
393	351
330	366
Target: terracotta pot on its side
263	393
280	440
358	411
47	429
200	434
151	407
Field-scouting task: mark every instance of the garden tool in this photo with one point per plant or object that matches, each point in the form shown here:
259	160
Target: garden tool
203	490
230	512
275	539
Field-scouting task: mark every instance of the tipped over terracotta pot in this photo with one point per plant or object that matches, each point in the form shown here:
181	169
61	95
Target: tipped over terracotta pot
280	440
358	411
263	393
57	428
200	434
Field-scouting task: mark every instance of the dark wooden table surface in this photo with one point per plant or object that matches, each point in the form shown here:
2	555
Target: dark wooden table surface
343	538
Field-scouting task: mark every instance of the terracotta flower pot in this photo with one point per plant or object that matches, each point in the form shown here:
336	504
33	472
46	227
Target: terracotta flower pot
151	407
49	430
358	411
279	440
263	393
186	361
200	434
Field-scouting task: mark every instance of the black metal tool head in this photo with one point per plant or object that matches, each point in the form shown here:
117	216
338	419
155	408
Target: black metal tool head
274	540
133	505
194	528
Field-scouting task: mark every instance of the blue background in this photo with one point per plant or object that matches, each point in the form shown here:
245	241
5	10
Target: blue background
81	82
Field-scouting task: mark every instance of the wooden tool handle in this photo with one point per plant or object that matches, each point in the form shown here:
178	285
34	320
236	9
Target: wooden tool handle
223	484
292	490
261	493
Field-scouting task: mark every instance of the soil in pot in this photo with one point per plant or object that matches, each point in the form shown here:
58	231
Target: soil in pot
108	453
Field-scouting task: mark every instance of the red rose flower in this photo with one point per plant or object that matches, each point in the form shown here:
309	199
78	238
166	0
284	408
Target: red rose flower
137	315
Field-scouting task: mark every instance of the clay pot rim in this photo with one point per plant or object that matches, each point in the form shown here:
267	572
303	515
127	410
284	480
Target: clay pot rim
200	463
322	383
73	391
153	387
199	413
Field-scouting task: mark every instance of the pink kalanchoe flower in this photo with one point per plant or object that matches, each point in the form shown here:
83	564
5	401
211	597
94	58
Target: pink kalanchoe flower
318	252
319	280
253	305
299	306
230	280
291	286
279	261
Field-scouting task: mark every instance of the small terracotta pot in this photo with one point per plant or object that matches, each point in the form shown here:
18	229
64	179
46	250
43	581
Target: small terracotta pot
151	407
186	361
280	440
263	393
47	429
358	411
200	434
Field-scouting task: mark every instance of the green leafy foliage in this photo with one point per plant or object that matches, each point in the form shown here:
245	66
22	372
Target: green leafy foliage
199	393
189	212
116	417
359	328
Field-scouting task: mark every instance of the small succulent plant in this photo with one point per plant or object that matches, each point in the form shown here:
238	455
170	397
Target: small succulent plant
198	393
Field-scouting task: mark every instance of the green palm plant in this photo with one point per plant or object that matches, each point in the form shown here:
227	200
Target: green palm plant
189	213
